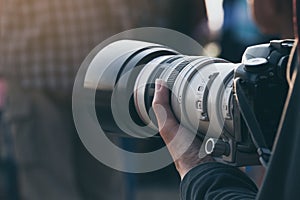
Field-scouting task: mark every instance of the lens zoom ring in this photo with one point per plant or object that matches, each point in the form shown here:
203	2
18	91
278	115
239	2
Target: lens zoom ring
174	74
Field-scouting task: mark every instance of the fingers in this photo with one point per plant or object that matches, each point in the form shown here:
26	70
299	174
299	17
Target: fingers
161	106
182	144
161	95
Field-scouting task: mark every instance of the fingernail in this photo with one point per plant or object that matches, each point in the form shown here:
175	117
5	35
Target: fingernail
158	83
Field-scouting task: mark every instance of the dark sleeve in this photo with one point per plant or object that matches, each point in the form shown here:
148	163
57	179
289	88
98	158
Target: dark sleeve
213	180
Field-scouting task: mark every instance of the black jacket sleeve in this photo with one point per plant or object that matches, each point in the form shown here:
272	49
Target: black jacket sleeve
217	181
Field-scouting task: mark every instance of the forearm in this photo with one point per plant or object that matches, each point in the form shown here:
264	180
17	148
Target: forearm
216	181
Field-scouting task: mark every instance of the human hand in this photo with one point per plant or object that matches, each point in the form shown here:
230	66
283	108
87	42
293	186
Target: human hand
183	145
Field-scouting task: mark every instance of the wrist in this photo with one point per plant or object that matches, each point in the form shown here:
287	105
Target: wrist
183	166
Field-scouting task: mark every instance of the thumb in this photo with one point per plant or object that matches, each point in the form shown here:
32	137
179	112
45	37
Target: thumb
161	106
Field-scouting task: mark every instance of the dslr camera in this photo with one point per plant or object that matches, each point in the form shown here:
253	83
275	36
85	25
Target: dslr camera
234	109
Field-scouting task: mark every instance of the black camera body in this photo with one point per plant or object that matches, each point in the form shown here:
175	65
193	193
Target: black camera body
234	108
262	77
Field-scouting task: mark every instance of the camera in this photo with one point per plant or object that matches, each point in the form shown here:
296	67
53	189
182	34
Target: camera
234	109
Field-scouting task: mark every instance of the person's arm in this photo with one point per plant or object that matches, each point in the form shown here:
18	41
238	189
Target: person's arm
202	178
216	181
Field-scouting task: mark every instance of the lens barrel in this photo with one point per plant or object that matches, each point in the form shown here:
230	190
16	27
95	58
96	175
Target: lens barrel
200	88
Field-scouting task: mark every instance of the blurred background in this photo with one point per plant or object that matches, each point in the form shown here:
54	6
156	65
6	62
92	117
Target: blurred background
42	44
